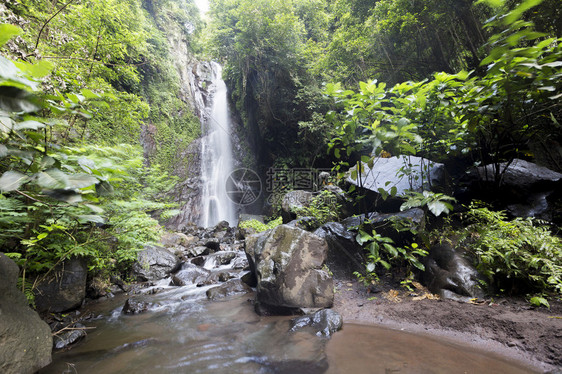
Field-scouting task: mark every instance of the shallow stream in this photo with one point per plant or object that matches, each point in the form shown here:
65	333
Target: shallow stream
183	332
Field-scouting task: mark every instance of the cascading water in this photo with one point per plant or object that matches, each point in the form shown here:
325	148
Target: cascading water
216	157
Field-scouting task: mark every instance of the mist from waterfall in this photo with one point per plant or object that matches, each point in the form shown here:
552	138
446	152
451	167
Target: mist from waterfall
216	156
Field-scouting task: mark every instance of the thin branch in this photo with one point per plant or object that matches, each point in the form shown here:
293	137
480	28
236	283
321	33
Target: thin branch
49	20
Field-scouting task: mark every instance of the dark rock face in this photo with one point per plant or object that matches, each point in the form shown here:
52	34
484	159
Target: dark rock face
288	265
526	189
25	340
448	274
134	306
345	255
232	287
324	322
190	274
154	263
64	288
294	200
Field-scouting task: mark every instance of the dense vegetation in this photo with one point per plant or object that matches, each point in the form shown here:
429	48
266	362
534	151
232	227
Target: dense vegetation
93	79
322	83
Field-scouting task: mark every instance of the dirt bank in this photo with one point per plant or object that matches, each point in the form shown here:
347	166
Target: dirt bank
507	326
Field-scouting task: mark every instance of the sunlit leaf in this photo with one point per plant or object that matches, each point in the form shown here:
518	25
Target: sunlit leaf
7	32
52	179
12	180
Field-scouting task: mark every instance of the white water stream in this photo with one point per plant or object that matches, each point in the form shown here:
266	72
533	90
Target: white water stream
216	157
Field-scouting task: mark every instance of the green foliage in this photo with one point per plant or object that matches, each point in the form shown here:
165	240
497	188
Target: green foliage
515	253
323	207
259	226
539	301
437	203
382	251
57	201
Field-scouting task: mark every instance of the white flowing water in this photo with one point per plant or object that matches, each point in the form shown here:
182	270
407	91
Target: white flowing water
216	157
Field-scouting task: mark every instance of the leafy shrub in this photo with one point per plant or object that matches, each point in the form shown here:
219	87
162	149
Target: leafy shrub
260	226
515	253
324	208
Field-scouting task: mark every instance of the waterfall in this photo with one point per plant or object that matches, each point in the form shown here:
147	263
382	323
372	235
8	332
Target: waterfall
216	156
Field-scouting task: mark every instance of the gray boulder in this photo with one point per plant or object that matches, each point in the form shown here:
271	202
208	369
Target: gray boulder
64	288
198	250
232	287
324	322
288	264
190	274
345	255
25	340
173	239
135	306
154	263
520	173
387	173
292	201
450	275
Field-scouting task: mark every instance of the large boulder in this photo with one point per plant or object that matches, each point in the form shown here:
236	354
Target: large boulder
403	172
25	340
345	255
288	264
64	288
400	173
292	201
450	275
154	263
526	189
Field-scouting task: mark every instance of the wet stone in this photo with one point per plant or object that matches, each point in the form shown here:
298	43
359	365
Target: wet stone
133	306
324	322
189	274
70	337
232	287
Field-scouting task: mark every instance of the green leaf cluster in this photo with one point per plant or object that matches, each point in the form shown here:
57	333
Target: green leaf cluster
515	255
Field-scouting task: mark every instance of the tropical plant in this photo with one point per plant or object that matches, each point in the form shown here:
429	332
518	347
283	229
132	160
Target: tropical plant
515	255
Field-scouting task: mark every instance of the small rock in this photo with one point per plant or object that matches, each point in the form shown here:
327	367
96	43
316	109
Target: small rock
324	322
229	288
70	337
133	306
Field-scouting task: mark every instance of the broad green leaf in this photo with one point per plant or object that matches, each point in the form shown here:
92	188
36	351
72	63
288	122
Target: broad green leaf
29	125
539	301
437	207
42	236
68	196
91	218
52	179
6	124
81	180
385	264
94	208
12	180
38	70
7	32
